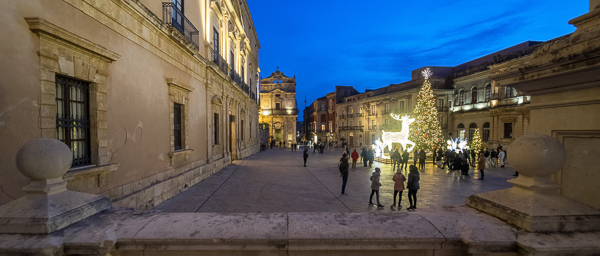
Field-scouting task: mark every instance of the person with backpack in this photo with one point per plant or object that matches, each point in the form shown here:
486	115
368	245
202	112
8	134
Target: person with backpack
305	156
413	186
343	166
375	184
398	187
494	156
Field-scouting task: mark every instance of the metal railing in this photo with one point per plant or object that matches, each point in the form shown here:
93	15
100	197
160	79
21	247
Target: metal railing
350	115
359	114
372	114
342	116
220	61
173	17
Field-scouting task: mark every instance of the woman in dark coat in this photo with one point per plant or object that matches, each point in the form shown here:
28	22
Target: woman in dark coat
422	157
344	172
413	186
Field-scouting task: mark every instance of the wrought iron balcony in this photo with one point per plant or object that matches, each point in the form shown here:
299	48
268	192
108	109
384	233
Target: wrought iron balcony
220	61
359	114
372	113
350	115
173	17
342	116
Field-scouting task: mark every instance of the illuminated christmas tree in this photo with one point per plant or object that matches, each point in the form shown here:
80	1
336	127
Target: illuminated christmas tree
425	132
476	142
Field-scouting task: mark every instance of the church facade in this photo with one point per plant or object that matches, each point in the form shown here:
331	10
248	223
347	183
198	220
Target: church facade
278	107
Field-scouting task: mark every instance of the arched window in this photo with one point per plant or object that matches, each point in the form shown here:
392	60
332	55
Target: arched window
461	131
461	97
474	95
486	132
472	128
488	92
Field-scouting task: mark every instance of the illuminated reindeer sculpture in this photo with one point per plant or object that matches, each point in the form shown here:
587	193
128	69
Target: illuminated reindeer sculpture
399	137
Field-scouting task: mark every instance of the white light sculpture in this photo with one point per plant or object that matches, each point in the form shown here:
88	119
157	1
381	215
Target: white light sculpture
399	137
458	143
377	148
427	73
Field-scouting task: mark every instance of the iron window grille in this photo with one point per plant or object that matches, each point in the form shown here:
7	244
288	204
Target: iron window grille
216	128
177	124
173	16
73	118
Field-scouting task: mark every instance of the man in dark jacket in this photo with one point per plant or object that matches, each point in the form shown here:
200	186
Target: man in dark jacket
405	157
396	159
344	172
365	156
371	157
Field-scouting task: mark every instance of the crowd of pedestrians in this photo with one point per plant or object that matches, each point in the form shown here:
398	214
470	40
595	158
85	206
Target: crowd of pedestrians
459	162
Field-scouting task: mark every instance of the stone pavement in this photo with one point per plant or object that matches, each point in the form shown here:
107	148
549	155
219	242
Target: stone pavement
276	181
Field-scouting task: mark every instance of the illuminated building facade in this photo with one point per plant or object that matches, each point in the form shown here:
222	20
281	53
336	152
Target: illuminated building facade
278	108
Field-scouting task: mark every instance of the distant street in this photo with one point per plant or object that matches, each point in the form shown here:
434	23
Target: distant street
275	181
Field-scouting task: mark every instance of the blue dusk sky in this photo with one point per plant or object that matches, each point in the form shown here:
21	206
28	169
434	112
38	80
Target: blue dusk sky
371	44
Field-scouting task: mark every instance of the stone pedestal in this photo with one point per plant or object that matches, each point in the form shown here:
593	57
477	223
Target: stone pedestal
47	206
533	203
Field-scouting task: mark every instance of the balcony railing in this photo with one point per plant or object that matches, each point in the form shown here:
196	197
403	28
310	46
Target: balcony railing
220	61
342	116
373	127
359	114
350	115
442	109
173	17
372	113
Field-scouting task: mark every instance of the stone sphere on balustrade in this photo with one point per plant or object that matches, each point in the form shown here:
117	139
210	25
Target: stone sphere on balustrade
44	158
536	155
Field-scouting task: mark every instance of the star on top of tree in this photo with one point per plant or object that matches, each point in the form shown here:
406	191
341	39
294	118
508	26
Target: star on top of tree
427	73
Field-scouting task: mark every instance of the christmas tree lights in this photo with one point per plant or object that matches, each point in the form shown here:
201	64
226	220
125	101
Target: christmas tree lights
476	143
425	131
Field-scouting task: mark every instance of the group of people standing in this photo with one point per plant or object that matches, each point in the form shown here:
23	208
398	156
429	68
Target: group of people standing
399	179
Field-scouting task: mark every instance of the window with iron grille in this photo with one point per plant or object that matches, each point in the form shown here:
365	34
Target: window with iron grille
242	130
507	130
474	95
488	92
73	118
486	132
177	124
216	43
216	128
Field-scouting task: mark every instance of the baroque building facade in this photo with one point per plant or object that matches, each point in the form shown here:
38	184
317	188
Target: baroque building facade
278	107
362	118
321	115
151	96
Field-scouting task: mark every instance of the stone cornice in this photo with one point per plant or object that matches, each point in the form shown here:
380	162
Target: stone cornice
179	84
43	27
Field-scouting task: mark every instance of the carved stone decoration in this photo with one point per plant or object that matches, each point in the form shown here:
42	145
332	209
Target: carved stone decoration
277	126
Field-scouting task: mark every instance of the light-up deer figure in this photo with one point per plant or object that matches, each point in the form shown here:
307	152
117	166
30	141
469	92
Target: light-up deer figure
399	137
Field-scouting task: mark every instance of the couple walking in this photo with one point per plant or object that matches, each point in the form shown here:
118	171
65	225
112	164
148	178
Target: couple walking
412	185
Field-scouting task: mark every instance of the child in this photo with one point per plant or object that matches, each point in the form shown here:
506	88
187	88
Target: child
398	187
375	184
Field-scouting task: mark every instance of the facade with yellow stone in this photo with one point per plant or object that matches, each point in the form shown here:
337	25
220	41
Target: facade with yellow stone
278	107
151	96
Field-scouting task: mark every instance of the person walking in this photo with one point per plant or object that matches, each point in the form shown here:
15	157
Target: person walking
395	159
365	157
501	155
405	157
354	159
305	156
486	154
375	184
481	165
457	165
344	172
371	157
413	186
362	154
398	187
434	156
